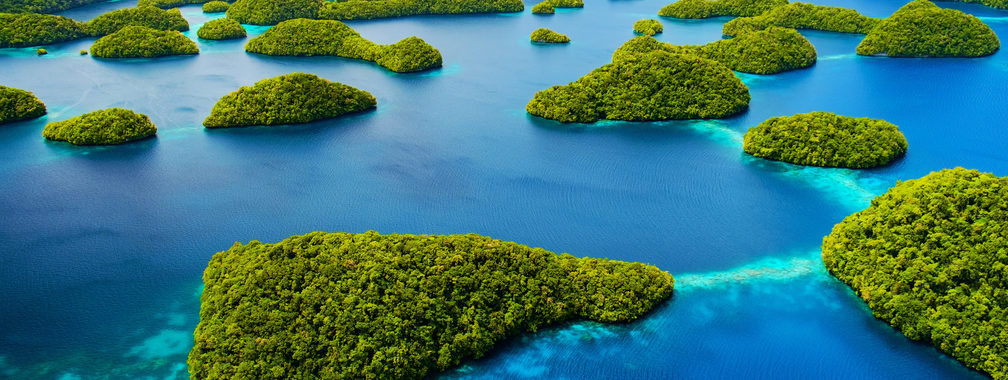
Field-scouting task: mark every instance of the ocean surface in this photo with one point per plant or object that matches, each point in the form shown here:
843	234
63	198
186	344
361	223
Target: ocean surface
102	248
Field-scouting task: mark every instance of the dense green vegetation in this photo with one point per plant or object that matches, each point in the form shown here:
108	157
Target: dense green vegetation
371	9
370	306
768	51
167	4
215	6
549	6
270	12
150	17
715	8
32	29
999	4
143	42
922	29
649	86
543	8
647	27
288	99
42	6
41	51
221	29
826	139
804	16
104	127
302	37
929	257
543	35
17	104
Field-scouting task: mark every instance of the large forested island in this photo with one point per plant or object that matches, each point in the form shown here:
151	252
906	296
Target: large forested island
929	258
103	127
287	99
826	139
150	17
804	16
340	305
922	29
31	29
221	29
268	12
713	8
370	9
17	104
143	42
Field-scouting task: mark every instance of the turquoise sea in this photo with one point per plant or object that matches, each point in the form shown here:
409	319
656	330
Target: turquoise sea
102	249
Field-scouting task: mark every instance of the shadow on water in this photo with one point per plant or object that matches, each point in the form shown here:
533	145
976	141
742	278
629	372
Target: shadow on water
139	149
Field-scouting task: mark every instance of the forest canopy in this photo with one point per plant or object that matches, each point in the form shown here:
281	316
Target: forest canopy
143	42
650	86
42	6
32	29
302	37
150	17
929	257
103	127
271	12
371	9
647	27
287	99
543	35
826	139
17	104
923	29
221	29
691	9
215	6
356	306
804	16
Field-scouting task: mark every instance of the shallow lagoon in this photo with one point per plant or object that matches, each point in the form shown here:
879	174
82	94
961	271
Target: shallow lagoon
104	247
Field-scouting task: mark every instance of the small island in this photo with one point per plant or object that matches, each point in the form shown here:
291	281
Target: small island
804	16
31	29
363	306
288	99
221	29
335	38
543	8
150	17
216	6
647	27
644	87
826	139
922	29
167	4
928	257
270	12
143	42
104	127
372	9
694	9
17	104
546	36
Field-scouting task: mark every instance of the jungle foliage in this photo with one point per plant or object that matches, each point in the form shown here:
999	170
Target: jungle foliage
657	85
826	139
371	9
365	306
543	8
150	17
999	4
42	6
929	257
104	127
167	4
768	51
33	29
271	12
716	8
303	37
221	29
543	35
648	27
287	99
17	104
549	6
804	16
215	6
143	42
922	29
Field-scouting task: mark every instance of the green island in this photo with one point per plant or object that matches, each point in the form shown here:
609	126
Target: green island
269	12
693	9
543	8
103	127
543	35
17	104
929	258
549	6
143	42
149	17
922	29
33	29
42	6
769	51
647	27
657	85
221	29
804	16
372	9
215	6
363	306
826	139
999	4
334	38
287	99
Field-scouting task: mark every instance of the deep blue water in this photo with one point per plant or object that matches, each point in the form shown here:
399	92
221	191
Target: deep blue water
103	248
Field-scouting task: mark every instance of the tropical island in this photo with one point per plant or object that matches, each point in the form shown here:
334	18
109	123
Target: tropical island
769	51
923	29
17	104
804	16
647	27
335	38
269	12
928	257
549	6
543	8
372	9
215	6
32	29
657	85
546	36
695	9
288	99
150	17
345	305
41	6
221	29
103	127
826	139
143	42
